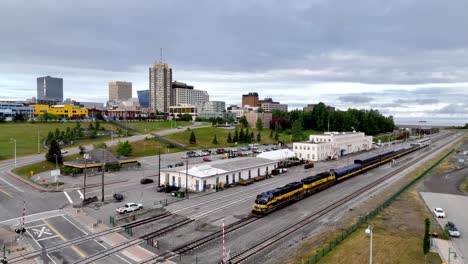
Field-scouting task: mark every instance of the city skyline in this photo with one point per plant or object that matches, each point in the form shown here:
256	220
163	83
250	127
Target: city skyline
344	54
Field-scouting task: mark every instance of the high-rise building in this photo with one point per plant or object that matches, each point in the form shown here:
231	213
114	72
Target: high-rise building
49	88
250	99
182	94
160	81
200	97
143	98
120	90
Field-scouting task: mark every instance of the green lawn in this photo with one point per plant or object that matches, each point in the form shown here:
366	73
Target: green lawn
205	137
26	135
146	127
148	147
40	166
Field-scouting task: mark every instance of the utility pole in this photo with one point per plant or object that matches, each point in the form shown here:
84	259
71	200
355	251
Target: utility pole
84	180
186	179
103	168
38	144
159	167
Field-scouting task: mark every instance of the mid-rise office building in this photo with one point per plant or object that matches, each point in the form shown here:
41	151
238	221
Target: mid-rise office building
215	106
9	109
160	82
268	105
252	118
49	88
250	99
200	97
182	94
143	98
120	90
66	111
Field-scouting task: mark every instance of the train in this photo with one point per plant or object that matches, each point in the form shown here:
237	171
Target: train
267	202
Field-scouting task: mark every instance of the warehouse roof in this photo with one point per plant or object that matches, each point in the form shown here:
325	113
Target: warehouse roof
223	166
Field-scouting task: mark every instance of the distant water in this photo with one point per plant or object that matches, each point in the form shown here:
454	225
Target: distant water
431	121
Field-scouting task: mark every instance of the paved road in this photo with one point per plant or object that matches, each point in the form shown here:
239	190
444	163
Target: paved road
455	209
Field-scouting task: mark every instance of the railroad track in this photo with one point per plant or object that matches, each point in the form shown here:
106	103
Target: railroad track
201	241
135	241
242	256
71	242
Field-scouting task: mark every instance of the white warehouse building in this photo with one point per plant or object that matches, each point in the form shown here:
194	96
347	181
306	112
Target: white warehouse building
332	145
201	177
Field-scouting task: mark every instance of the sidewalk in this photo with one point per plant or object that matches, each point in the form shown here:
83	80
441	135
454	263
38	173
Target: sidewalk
442	247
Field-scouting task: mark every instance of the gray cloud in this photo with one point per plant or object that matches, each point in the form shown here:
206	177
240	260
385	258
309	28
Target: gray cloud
452	109
262	46
355	99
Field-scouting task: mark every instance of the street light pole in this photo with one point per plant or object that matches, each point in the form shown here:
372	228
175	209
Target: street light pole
159	167
56	161
369	231
450	253
103	168
15	149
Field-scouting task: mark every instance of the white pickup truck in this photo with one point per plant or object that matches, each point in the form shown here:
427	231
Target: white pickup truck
129	207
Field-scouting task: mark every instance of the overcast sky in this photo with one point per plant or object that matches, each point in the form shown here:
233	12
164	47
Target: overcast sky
405	58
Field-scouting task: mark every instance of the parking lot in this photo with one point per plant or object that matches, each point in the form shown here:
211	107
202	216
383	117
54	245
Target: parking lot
455	210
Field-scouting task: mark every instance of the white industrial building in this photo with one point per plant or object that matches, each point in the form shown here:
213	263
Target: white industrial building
201	177
332	145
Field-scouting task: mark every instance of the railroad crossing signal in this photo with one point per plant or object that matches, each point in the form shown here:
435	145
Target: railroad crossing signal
20	230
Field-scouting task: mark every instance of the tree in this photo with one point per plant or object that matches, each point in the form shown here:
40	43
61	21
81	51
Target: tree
252	137
259	137
193	139
276	137
259	124
19	117
2	119
229	139
241	135
57	134
243	121
54	151
236	137
296	131
215	140
124	148
50	136
82	149
271	133
427	239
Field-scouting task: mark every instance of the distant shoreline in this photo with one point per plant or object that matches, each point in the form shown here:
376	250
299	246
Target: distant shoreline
430	121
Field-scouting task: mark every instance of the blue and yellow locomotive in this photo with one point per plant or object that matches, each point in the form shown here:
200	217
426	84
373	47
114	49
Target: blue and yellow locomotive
275	199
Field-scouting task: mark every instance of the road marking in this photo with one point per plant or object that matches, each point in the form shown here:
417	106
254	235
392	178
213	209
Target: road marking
77	250
74	225
11	185
5	192
41	232
27	231
124	259
81	194
29	218
45	238
68	197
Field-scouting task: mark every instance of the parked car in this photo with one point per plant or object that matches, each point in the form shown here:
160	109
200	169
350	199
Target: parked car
129	207
274	148
452	229
206	159
118	196
267	149
63	151
146	181
439	212
168	188
220	151
179	164
179	127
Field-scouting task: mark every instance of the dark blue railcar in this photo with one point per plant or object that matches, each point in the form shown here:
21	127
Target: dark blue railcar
340	172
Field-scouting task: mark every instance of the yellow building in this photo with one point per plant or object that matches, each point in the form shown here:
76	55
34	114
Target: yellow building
67	110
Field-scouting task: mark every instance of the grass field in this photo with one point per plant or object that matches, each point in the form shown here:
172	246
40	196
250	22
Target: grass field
148	147
205	137
26	135
146	127
40	166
